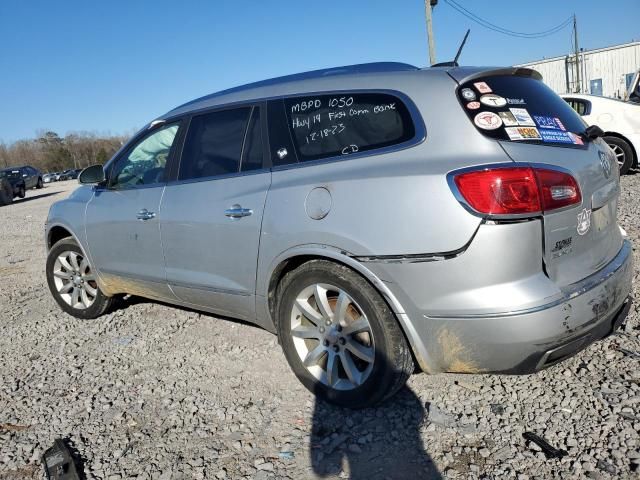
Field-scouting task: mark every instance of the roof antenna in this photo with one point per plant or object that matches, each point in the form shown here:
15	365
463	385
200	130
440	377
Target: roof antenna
455	60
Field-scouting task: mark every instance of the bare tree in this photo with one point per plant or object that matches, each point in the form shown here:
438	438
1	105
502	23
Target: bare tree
50	152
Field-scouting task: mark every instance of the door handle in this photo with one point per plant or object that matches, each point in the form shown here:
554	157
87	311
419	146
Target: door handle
145	214
236	211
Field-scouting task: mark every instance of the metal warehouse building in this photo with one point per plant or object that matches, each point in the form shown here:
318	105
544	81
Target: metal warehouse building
604	71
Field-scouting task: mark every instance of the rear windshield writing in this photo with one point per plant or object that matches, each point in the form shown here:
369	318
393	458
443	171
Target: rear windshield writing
520	109
342	124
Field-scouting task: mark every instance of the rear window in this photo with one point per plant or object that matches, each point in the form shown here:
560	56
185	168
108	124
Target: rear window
520	109
10	174
341	124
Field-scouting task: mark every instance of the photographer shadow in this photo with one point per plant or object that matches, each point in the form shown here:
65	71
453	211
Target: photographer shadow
373	443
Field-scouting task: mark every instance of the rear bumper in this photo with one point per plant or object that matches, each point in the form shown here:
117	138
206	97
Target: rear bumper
527	340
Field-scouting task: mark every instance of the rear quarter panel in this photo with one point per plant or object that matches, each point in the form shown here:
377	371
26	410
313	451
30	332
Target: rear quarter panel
396	203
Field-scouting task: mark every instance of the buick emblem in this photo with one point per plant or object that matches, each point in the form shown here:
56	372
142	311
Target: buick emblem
584	221
605	163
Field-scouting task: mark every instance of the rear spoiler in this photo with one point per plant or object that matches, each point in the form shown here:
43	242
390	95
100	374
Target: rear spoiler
466	74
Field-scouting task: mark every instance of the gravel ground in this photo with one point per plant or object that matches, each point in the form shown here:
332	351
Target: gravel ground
152	391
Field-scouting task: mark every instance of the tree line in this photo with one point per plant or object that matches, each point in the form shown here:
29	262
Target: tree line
50	152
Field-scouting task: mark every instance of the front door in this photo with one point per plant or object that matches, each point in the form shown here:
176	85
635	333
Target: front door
122	218
210	217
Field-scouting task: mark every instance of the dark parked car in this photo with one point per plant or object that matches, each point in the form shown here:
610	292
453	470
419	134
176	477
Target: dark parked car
31	176
11	185
71	174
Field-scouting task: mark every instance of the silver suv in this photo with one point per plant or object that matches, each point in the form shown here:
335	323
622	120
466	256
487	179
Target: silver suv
377	218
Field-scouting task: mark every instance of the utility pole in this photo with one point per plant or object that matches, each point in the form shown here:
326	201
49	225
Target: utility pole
428	4
577	53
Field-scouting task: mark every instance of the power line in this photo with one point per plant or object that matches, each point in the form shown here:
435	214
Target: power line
491	26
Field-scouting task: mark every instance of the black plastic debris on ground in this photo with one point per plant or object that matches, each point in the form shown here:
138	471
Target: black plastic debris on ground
627	352
547	449
60	464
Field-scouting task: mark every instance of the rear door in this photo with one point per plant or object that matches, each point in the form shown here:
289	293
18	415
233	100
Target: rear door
211	214
536	126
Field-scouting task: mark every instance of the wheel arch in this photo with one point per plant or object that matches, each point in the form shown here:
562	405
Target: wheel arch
634	164
57	233
297	256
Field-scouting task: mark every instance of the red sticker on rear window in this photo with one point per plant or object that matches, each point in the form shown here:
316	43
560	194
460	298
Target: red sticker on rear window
482	87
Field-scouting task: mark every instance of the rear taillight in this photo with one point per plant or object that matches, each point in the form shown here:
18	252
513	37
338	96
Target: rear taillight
517	190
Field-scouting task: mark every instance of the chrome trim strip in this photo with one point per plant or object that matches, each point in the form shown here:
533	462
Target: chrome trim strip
208	288
569	292
128	276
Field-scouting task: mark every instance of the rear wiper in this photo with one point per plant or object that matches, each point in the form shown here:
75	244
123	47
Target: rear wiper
593	132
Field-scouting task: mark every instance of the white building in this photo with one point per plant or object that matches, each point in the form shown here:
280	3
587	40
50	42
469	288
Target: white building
605	71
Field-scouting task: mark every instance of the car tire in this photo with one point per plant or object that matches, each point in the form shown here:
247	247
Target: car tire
357	358
40	183
6	192
72	281
622	151
22	192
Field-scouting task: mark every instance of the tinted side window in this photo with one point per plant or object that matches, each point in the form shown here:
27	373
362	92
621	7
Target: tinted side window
345	123
280	144
145	163
214	144
252	152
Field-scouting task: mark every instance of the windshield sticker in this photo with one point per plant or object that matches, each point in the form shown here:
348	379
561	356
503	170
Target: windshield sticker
523	117
523	133
576	138
473	105
508	119
482	87
552	123
555	136
493	100
468	94
516	101
487	121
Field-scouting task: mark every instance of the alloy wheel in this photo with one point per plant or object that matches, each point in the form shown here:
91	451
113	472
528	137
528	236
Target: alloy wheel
619	153
332	336
74	280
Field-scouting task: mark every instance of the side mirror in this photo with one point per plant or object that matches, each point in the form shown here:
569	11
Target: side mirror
91	175
593	132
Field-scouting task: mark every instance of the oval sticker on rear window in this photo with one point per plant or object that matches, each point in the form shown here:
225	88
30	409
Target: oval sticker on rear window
468	94
492	100
487	121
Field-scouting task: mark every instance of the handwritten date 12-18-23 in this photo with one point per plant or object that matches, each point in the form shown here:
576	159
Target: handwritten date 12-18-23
325	132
